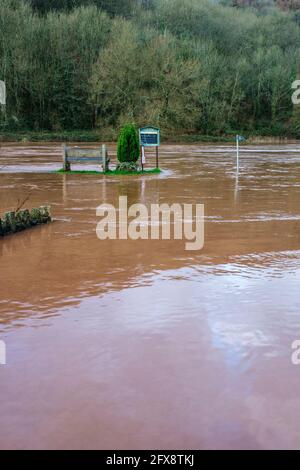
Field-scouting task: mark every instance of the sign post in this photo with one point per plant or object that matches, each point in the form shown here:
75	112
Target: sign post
149	137
143	159
238	138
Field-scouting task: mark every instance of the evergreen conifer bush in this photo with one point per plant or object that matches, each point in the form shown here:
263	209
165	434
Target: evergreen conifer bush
128	148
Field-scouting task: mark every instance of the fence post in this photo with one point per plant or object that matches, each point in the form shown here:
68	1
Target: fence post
66	164
105	159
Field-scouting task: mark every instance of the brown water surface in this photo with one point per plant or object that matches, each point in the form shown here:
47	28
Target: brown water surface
142	344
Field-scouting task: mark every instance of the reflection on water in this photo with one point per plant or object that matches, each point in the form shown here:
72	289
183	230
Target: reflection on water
141	344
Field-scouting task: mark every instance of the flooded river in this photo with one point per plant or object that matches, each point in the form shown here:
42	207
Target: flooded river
141	344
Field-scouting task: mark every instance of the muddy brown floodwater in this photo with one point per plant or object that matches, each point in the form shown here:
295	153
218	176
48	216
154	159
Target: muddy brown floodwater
141	344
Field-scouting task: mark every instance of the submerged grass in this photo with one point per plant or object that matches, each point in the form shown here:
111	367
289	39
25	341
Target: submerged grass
110	172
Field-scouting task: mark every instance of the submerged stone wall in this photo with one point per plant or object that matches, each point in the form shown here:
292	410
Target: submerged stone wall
13	222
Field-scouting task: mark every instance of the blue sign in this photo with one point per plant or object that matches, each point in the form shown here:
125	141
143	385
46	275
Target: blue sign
149	136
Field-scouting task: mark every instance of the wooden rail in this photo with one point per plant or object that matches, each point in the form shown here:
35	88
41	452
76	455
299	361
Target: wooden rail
83	155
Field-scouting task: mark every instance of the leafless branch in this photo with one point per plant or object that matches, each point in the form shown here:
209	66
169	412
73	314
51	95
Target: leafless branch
21	202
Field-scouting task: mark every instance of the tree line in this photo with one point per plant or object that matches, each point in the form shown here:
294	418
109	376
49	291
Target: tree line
187	66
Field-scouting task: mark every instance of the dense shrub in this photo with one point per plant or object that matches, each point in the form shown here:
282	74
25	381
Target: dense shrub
128	144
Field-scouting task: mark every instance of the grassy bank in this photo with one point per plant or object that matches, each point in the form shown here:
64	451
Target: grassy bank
97	136
45	136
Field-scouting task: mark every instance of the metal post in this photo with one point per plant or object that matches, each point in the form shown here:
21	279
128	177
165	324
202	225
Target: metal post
157	166
237	152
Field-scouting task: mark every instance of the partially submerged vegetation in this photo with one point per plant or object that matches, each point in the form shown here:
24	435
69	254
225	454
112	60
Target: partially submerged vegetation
110	172
192	67
16	221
